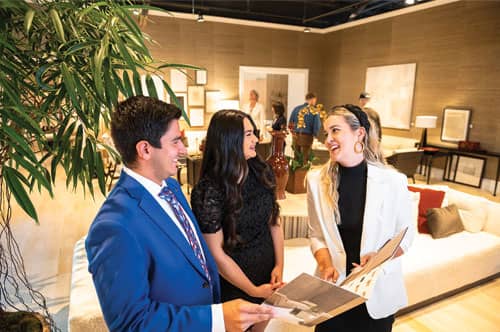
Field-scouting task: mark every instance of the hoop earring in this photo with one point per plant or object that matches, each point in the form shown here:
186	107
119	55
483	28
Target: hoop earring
358	149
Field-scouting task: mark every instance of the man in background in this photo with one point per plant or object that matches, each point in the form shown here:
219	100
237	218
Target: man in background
364	103
305	124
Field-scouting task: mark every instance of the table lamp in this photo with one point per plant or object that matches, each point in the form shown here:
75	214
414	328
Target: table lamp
425	121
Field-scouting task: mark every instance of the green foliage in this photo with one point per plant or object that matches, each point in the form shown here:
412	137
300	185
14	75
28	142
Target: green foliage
298	162
64	65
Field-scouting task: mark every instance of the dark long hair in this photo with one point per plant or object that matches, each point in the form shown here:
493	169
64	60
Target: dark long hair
224	162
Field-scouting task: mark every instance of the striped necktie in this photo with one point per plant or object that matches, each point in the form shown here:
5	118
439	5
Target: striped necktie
169	196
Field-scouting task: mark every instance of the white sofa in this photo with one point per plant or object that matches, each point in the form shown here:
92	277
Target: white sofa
432	267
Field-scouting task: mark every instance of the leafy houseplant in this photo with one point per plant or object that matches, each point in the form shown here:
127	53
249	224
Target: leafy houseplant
64	65
298	171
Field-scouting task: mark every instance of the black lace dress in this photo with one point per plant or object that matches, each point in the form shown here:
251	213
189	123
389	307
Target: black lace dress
255	254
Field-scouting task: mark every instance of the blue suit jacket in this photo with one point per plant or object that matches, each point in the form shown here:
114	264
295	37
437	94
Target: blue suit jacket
146	275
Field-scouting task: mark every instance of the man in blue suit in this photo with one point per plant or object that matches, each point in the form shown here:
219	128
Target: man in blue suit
150	265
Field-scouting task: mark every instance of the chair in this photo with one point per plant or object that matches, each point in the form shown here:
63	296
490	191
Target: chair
406	162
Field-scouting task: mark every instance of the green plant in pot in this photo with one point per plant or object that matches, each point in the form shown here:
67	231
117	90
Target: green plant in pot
64	65
298	171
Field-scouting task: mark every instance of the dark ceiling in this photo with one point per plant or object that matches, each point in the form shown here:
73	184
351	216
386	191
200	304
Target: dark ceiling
312	13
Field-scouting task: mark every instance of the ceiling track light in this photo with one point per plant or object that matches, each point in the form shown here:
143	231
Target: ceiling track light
307	30
200	18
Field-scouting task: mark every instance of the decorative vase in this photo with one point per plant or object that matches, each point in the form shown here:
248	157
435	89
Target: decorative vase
278	162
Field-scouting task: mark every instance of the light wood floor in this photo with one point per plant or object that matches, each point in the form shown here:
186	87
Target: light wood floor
48	247
473	310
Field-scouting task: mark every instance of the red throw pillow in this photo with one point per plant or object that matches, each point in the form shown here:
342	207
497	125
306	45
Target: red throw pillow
429	199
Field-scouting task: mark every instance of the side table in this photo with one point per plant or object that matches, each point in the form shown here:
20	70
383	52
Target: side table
430	153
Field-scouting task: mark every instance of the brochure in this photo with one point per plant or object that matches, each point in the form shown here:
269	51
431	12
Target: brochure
309	300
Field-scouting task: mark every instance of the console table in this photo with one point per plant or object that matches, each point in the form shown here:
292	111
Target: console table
450	171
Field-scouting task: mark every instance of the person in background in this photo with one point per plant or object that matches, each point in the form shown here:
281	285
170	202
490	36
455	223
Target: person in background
255	110
356	204
304	126
364	100
235	205
279	122
151	268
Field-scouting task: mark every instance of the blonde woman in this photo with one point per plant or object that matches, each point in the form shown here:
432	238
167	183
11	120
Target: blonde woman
356	204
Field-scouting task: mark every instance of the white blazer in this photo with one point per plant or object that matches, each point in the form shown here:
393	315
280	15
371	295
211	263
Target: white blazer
387	211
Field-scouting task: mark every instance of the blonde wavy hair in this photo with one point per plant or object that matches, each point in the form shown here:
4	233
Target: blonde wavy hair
330	171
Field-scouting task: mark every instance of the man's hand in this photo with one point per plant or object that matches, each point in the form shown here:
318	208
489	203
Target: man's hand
239	315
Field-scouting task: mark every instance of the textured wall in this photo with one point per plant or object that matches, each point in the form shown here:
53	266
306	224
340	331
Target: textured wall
456	48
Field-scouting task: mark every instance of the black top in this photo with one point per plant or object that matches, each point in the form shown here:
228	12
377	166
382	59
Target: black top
279	123
255	254
352	197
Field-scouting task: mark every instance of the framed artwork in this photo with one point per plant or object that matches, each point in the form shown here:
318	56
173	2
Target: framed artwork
178	80
391	88
211	100
197	116
201	77
196	95
455	124
182	98
468	170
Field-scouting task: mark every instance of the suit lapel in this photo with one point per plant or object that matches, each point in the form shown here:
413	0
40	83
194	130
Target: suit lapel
156	213
375	192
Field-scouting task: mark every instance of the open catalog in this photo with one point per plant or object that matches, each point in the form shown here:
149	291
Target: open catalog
309	300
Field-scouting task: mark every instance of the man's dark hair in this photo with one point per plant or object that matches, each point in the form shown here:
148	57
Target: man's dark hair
310	95
140	118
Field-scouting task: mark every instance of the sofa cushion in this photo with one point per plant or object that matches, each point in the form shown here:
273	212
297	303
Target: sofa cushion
428	199
443	222
473	209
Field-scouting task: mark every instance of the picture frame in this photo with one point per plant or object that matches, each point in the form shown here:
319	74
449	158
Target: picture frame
212	97
178	80
196	95
392	89
456	122
197	116
469	170
201	77
183	100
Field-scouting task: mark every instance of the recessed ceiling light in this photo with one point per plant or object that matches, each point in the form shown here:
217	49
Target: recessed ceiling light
307	30
200	18
410	2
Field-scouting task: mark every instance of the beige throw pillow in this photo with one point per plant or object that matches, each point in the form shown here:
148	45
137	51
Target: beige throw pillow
443	222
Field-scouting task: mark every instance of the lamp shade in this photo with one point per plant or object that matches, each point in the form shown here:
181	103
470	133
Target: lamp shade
426	121
227	104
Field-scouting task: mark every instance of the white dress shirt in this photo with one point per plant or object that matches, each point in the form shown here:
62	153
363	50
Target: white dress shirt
154	189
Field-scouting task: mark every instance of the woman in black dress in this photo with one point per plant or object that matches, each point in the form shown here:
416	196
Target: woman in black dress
235	205
279	122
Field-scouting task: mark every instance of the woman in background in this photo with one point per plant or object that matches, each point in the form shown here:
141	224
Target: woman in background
235	205
355	205
256	111
279	122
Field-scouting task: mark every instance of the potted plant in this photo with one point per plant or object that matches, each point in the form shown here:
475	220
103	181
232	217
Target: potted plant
64	65
298	170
